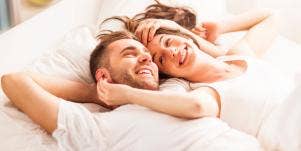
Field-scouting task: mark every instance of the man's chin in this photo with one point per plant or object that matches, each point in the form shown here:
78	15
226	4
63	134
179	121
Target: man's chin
149	84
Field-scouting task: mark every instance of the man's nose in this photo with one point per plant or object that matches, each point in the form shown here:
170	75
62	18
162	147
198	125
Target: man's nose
145	58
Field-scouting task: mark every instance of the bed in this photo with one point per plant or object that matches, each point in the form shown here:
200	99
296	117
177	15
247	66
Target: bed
57	49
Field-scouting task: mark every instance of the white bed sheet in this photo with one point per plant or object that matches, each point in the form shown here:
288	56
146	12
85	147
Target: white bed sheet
19	132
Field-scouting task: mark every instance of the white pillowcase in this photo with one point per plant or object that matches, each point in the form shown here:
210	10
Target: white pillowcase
206	9
70	59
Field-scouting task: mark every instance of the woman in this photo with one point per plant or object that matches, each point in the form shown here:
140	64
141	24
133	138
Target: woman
166	17
244	88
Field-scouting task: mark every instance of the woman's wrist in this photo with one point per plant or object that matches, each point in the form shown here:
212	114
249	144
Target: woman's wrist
129	94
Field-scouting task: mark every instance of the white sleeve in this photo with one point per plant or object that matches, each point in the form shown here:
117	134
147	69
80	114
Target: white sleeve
175	85
78	128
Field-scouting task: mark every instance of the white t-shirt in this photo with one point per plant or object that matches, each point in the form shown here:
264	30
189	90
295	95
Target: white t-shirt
135	128
248	99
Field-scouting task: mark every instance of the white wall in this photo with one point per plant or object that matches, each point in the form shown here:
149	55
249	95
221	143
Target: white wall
290	10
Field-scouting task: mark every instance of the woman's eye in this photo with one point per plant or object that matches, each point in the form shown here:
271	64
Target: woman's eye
161	60
167	43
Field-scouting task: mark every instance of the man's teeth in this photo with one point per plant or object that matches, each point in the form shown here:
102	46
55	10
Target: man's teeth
144	71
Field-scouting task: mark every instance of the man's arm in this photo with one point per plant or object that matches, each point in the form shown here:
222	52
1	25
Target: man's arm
37	95
38	104
66	89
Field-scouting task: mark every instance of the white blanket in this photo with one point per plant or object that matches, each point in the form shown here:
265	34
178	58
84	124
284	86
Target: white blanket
18	132
281	131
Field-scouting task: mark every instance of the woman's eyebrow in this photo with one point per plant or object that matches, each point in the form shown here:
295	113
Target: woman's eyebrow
160	40
154	55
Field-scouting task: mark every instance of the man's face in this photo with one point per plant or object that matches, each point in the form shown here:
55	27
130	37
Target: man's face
131	64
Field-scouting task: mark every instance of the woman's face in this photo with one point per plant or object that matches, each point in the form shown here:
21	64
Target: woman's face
173	54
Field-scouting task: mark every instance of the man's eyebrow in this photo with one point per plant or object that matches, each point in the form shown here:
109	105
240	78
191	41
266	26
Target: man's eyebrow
128	48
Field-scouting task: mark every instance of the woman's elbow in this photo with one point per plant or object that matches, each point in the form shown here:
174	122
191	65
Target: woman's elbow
200	109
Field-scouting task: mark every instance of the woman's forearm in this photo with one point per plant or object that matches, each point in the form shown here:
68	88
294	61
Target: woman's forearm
244	21
181	105
205	45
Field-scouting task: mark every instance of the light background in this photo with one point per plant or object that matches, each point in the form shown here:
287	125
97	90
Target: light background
290	10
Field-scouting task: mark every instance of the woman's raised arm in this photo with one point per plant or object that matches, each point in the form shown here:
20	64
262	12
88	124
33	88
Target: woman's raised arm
262	26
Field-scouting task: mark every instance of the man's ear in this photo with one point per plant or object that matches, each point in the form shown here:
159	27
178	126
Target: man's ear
103	74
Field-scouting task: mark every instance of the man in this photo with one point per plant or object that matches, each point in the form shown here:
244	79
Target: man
122	65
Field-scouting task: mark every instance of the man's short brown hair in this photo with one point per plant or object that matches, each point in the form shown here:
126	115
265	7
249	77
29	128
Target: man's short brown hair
100	56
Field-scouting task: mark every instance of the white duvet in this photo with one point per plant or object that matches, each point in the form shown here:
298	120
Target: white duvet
18	132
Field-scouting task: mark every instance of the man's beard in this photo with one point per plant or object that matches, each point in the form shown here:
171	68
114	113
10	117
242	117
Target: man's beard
123	77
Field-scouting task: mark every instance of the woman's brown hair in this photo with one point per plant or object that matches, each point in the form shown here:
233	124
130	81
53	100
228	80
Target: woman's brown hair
184	16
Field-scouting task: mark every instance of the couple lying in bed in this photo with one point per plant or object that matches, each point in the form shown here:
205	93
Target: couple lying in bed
204	81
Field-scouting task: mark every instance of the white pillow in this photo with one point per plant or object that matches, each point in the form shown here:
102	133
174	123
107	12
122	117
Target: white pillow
70	59
206	9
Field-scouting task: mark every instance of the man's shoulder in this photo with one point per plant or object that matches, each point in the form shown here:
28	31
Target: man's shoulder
178	84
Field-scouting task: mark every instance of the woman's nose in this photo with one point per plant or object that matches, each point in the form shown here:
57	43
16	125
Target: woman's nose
173	51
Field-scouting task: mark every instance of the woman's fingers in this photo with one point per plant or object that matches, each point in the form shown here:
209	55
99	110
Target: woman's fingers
146	30
200	28
152	32
138	31
101	90
145	33
199	33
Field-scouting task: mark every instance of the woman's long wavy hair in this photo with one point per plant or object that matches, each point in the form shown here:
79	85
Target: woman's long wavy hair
184	16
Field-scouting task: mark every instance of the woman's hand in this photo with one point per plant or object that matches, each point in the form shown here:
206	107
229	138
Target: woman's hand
112	94
147	28
208	30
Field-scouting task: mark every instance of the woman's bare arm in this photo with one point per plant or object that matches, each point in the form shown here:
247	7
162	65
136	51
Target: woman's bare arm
262	26
194	104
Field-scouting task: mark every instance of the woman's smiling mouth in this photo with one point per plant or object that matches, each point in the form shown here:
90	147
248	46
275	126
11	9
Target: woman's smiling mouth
183	56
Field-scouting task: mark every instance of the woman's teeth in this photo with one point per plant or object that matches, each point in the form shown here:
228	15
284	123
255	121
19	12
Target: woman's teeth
183	56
